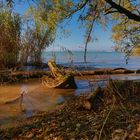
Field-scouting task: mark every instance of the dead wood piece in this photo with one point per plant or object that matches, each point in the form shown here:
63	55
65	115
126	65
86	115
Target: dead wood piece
54	69
94	100
121	71
59	78
138	71
15	100
120	68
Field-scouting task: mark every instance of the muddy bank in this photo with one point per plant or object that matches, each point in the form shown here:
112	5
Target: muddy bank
117	117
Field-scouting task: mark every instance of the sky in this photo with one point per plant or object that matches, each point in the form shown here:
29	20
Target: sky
74	39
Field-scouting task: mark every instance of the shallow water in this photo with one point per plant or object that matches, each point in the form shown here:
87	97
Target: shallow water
38	98
35	98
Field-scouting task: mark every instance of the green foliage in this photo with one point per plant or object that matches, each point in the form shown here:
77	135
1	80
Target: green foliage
10	26
43	17
124	13
126	33
39	28
34	42
48	13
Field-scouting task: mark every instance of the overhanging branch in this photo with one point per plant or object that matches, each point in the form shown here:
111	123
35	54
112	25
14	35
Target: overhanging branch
123	10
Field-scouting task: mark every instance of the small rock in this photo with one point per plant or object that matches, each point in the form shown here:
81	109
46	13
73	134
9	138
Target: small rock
63	124
129	127
95	137
30	135
138	128
78	125
67	130
119	134
40	130
87	104
51	135
43	123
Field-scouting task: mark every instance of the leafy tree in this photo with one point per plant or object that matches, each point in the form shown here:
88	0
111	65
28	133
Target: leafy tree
34	42
124	13
98	11
43	18
26	43
46	15
10	26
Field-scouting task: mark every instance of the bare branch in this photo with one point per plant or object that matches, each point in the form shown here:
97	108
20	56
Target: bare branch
79	8
110	12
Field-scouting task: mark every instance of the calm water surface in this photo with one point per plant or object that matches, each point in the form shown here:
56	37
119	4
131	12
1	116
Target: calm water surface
94	59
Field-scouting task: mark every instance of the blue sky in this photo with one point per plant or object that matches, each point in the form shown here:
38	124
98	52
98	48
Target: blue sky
76	39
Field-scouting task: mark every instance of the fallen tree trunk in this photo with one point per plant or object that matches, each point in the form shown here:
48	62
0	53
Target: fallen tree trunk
13	76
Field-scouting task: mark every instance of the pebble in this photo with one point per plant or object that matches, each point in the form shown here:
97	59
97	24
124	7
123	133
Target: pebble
30	135
138	128
78	125
46	138
63	124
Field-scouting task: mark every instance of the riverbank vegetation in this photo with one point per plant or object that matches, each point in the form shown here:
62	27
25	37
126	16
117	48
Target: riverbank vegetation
23	38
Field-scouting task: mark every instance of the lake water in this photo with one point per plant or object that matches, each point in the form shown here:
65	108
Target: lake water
39	98
94	59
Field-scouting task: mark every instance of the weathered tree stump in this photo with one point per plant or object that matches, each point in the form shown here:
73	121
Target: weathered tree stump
59	78
94	100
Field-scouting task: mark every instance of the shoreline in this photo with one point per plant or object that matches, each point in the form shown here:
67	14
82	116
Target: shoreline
14	76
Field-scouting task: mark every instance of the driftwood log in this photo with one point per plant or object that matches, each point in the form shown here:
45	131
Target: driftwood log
14	76
58	79
94	100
